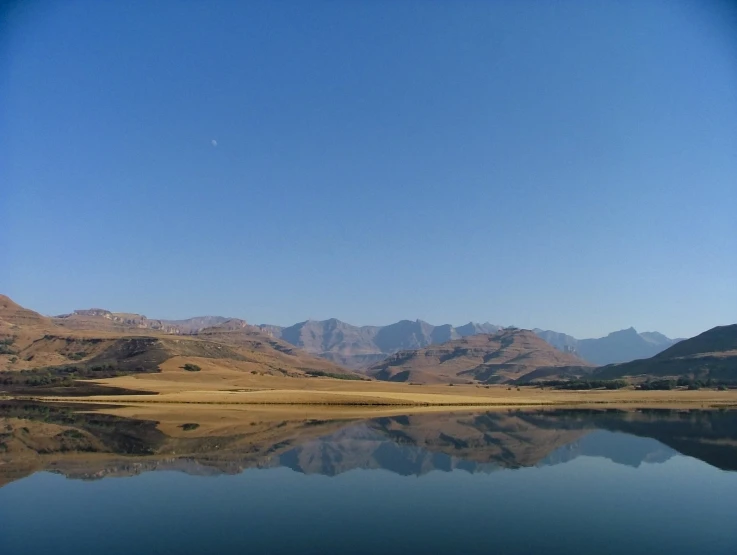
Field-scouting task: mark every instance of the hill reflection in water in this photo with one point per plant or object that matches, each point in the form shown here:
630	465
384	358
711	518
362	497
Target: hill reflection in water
78	443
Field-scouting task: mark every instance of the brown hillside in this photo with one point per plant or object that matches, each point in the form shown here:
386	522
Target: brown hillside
19	328
489	358
238	334
32	342
104	320
12	314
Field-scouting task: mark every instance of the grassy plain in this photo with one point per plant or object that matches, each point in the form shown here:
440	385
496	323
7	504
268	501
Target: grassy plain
226	383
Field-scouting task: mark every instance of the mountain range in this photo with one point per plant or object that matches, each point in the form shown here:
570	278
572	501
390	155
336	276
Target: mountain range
58	353
359	347
522	357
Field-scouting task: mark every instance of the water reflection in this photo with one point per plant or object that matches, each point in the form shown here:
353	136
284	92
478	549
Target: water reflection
78	443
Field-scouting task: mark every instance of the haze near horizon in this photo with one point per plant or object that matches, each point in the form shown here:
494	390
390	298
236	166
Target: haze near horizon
566	166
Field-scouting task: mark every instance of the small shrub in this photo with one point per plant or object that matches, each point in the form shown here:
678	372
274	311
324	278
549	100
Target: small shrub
5	346
321	374
189	426
189	367
657	385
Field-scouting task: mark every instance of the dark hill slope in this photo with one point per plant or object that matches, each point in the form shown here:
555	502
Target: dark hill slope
716	340
712	354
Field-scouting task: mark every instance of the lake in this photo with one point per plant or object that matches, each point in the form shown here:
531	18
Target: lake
512	481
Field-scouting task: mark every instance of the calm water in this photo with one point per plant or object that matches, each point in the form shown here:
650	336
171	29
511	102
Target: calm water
511	482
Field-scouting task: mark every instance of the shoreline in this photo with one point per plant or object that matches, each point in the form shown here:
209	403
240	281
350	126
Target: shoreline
234	389
632	404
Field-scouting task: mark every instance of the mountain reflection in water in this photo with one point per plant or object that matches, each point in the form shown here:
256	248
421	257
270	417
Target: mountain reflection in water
72	441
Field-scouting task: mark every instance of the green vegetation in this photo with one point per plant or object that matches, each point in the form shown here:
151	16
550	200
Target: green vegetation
36	380
581	384
79	355
6	346
695	383
189	426
62	376
74	434
648	385
189	367
321	374
657	385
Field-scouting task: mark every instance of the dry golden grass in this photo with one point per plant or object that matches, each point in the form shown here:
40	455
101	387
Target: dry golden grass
233	383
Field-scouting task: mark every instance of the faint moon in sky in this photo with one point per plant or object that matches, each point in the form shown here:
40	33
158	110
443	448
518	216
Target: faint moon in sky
214	142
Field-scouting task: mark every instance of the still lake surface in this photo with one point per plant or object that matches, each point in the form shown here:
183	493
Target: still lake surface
555	481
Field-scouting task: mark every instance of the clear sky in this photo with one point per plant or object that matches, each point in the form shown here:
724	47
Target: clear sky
564	165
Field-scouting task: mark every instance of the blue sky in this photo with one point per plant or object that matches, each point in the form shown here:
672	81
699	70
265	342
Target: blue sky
564	165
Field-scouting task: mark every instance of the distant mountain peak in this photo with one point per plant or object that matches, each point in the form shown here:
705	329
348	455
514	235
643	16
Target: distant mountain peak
627	331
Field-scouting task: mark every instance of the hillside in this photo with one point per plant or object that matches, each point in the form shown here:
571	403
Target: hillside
101	319
361	346
285	358
710	355
487	358
721	339
12	314
196	324
19	328
55	356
